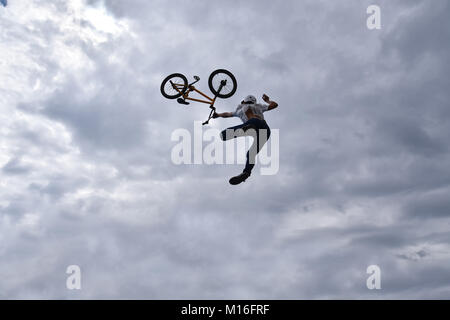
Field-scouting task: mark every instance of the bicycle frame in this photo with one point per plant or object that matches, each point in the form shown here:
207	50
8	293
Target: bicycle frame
191	88
209	100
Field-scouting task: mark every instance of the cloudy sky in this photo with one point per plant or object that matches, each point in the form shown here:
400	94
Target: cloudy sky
86	176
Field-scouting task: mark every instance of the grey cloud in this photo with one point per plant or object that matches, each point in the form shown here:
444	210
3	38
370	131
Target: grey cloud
433	205
363	177
14	166
414	256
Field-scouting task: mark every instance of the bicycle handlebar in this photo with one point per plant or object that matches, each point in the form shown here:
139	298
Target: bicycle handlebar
213	109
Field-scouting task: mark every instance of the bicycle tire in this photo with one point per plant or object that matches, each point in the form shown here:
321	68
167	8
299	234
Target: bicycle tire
219	74
166	93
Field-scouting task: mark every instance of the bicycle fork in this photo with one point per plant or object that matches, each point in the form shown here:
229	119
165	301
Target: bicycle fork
223	83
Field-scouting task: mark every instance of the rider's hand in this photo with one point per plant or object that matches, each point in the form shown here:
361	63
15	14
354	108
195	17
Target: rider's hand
215	115
265	98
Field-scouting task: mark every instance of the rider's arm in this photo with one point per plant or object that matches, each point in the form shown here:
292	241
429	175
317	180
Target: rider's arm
272	104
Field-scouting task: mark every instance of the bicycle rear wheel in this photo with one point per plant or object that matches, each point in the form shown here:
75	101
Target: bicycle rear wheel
174	86
215	80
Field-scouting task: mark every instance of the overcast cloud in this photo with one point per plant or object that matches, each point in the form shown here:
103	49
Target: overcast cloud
86	176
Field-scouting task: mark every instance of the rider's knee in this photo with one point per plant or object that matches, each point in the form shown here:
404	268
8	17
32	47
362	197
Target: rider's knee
223	135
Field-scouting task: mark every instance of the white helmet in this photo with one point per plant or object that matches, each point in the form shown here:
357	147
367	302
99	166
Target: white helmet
250	98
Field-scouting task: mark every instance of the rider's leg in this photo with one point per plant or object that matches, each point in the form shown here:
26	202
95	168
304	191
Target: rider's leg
260	137
230	133
260	132
251	157
237	131
250	124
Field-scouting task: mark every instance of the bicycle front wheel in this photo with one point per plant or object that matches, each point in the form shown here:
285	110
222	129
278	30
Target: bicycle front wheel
174	86
229	81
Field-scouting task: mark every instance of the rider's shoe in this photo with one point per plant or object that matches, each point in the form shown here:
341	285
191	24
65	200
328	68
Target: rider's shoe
182	101
239	178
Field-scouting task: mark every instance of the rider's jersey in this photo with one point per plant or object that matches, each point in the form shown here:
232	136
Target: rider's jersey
257	110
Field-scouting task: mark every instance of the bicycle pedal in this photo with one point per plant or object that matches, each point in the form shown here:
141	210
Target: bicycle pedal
182	101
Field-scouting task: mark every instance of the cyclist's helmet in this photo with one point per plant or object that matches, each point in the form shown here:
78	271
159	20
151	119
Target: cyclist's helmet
250	99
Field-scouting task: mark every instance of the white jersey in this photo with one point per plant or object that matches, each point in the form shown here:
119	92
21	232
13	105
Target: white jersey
256	108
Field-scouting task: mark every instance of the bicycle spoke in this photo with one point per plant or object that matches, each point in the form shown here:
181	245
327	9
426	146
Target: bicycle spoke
225	89
171	87
215	83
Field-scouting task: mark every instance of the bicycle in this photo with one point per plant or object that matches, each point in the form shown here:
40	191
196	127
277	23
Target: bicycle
221	82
